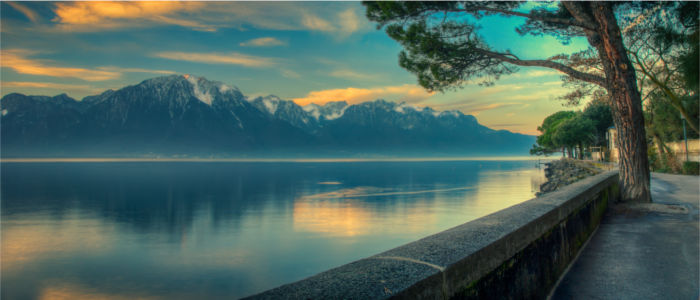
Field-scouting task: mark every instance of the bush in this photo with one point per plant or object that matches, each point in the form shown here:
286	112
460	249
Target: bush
691	168
667	163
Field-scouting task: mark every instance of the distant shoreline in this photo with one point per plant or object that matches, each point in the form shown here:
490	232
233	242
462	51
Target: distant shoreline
300	160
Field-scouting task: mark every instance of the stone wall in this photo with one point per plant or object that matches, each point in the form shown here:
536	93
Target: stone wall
516	253
564	172
679	149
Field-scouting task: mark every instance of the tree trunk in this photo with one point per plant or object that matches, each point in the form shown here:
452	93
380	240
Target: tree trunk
627	104
580	152
660	146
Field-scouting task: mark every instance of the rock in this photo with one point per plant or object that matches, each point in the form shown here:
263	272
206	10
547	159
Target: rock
565	171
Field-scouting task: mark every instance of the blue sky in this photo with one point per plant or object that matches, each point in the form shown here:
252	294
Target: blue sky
302	51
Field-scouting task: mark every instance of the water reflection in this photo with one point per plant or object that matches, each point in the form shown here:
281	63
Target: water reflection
338	218
224	230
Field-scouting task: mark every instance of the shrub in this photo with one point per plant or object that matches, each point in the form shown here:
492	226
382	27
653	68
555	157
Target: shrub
691	168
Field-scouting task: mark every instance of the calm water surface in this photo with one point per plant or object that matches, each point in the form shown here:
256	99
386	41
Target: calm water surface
185	230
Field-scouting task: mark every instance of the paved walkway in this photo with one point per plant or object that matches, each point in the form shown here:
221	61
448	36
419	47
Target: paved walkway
644	251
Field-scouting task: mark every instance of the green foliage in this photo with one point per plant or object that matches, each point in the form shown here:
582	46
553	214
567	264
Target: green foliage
539	150
577	131
653	157
600	113
663	44
691	168
663	163
441	43
688	14
545	143
665	120
568	129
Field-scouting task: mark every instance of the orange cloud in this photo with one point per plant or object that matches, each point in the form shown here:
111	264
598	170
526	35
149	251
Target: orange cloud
17	61
263	42
218	58
43	85
209	16
346	23
96	15
407	93
26	11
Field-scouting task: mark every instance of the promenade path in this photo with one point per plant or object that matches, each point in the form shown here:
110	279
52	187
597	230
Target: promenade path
648	251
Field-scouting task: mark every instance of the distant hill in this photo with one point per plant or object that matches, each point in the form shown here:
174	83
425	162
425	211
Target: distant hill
194	117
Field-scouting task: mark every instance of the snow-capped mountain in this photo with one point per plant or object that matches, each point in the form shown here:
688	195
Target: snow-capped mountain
188	115
287	111
329	111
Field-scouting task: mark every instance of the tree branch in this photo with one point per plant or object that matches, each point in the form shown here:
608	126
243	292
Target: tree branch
674	99
563	21
590	78
580	15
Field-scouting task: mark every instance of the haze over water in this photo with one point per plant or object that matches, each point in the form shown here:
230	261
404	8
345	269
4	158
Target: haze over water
182	230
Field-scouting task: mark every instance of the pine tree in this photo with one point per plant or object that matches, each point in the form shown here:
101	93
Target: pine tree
443	48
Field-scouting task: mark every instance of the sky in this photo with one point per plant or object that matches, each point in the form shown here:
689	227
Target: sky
308	52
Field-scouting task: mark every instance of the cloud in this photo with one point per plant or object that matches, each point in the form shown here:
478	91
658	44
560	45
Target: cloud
497	89
136	70
16	60
47	88
477	108
407	93
210	16
523	128
529	74
474	107
231	58
92	16
314	22
263	42
26	11
44	85
290	74
349	21
350	74
508	124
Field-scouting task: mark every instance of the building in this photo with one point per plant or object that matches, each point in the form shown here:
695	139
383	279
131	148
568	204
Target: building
678	147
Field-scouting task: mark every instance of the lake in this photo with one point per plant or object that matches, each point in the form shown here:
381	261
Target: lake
208	230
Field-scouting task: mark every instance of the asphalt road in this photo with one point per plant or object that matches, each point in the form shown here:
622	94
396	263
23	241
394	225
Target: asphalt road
646	251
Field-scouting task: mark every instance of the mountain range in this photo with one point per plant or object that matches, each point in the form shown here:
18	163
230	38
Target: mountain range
188	116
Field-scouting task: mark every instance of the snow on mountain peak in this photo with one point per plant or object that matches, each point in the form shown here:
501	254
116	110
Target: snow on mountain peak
203	96
329	111
453	113
334	110
224	88
271	103
313	109
337	113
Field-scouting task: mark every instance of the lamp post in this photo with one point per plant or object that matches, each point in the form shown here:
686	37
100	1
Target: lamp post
685	137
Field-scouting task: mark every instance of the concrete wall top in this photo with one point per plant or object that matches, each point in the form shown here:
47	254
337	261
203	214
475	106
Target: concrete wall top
483	244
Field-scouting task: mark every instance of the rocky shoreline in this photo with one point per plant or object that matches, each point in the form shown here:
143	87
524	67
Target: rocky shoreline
565	171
